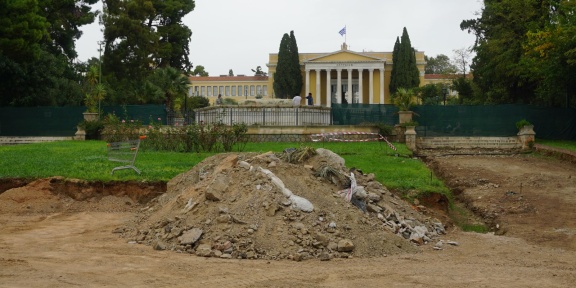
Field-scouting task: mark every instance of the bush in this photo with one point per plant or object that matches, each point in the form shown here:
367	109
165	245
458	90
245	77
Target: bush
117	130
194	138
229	101
93	129
522	123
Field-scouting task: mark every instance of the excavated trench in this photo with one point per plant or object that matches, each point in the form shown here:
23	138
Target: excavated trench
80	190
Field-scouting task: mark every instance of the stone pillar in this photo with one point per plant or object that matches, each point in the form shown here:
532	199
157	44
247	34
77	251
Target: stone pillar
307	83
410	136
360	86
349	92
381	85
527	137
339	86
328	92
371	86
318	95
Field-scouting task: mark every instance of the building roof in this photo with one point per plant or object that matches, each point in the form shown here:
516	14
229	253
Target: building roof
227	78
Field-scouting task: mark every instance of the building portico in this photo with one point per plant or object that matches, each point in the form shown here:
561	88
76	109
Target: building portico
345	76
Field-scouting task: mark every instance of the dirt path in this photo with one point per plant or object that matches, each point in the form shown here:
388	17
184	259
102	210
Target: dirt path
57	247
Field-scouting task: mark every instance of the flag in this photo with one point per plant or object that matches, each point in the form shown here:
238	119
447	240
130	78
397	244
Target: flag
343	31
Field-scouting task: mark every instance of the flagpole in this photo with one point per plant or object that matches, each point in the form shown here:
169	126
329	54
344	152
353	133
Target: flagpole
345	34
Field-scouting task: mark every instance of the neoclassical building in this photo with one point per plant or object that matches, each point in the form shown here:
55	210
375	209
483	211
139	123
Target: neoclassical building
345	76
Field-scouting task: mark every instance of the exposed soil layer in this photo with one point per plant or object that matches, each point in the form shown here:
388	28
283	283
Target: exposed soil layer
59	233
56	194
529	196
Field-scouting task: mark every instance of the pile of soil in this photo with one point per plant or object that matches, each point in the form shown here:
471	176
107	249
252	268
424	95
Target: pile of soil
228	206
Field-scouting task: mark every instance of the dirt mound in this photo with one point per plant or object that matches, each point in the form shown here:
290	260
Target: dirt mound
245	205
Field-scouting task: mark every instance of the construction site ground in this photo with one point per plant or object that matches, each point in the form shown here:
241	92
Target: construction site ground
54	233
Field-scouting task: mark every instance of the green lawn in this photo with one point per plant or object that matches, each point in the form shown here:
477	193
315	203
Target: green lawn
87	160
565	144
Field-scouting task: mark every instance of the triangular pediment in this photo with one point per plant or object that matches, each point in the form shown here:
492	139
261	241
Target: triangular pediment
340	56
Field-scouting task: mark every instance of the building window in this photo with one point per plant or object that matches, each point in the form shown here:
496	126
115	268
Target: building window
265	88
203	89
190	91
240	90
227	91
215	91
251	90
209	88
195	90
233	90
221	90
259	90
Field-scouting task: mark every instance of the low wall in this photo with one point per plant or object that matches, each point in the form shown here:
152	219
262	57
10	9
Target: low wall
468	142
299	133
13	140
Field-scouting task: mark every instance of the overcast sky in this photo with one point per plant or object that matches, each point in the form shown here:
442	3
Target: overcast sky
240	34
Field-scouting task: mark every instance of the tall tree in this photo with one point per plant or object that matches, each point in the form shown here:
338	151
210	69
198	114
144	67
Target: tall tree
288	79
501	31
22	30
36	50
439	65
393	78
551	52
405	71
296	86
199	71
65	18
141	35
461	60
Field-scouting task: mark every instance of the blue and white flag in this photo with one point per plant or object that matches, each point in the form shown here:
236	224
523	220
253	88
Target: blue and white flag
343	31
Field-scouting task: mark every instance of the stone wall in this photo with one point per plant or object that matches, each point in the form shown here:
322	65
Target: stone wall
468	142
13	140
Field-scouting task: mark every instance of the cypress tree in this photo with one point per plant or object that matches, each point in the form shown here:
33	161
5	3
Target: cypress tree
393	78
288	78
405	71
281	77
295	75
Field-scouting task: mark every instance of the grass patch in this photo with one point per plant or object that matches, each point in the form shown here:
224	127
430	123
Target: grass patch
478	228
87	160
466	220
564	144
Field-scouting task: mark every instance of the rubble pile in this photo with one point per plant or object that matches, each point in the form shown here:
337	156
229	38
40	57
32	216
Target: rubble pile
258	206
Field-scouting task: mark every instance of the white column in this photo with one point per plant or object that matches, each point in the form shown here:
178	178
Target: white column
318	93
381	86
360	86
328	92
371	79
307	82
349	92
339	86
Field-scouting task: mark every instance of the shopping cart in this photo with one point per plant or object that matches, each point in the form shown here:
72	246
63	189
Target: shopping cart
124	152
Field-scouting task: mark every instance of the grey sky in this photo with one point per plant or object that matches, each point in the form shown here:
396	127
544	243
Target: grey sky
239	35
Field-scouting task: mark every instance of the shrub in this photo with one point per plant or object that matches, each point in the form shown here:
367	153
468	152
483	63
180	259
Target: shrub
93	129
116	129
522	123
